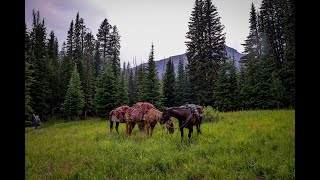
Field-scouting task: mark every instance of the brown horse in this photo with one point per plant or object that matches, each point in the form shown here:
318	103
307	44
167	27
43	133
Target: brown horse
185	117
198	113
117	115
150	119
134	115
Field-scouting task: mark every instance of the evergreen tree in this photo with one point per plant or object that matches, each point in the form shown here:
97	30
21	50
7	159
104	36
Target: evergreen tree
287	75
153	86
124	70
97	60
252	45
79	30
225	96
206	49
243	89
74	100
70	43
65	71
277	91
103	37
115	51
128	69
53	72
189	92
131	88
105	98
194	46
122	93
168	85
135	87
88	82
272	26
180	88
39	89
262	84
28	74
27	84
141	84
67	61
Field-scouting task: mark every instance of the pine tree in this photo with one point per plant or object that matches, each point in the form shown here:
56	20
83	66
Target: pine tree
277	91
122	92
272	26
28	82
97	60
65	71
128	69
70	43
88	82
262	84
141	84
74	100
135	87
205	50
115	51
67	61
28	74
243	89
180	88
103	37
168	85
39	89
287	74
225	96
252	45
194	46
105	96
189	92
153	86
79	30
131	87
53	72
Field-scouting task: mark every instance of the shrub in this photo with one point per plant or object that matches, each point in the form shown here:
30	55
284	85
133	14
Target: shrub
211	115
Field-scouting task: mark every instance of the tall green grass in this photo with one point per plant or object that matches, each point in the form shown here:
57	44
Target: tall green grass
243	145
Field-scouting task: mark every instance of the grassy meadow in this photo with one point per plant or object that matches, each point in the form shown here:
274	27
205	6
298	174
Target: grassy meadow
243	145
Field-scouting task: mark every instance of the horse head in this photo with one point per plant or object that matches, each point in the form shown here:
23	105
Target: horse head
165	115
169	126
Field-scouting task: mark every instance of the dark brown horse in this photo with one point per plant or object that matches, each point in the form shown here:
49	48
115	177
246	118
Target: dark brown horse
185	116
134	115
150	119
117	115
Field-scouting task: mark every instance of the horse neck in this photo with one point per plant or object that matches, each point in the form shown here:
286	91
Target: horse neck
156	113
177	114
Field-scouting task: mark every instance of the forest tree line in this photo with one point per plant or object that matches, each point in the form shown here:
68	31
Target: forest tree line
85	78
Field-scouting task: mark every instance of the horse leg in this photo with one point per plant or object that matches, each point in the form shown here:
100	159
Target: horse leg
198	128
190	132
117	125
152	127
181	130
111	126
127	128
131	127
148	129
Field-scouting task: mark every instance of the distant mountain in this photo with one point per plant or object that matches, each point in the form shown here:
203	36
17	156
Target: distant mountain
161	64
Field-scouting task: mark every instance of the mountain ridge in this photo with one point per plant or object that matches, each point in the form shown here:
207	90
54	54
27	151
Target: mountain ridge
161	64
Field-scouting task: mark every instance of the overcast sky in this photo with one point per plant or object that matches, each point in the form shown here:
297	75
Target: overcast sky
141	22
